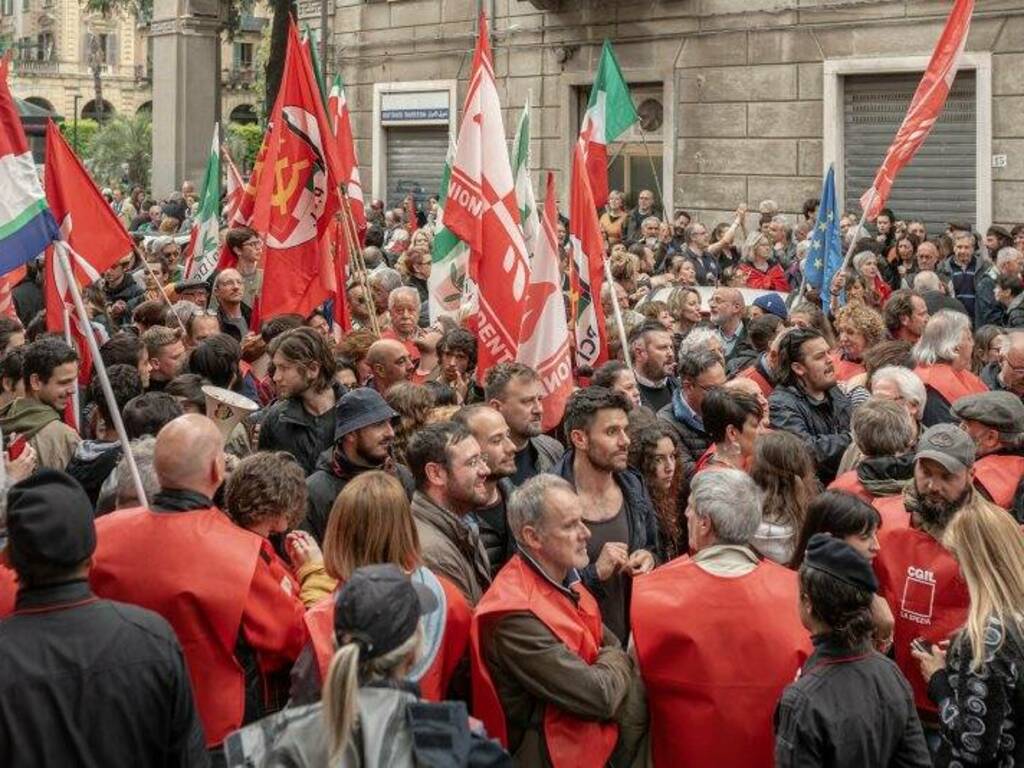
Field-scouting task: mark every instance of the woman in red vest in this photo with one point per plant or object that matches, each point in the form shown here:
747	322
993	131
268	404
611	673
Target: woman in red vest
757	271
370	523
942	357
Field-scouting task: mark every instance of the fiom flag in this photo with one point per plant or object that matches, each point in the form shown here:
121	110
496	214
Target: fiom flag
925	108
447	284
610	112
26	224
544	336
825	256
481	209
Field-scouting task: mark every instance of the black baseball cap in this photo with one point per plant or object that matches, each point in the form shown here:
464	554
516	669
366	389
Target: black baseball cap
838	559
379	608
49	521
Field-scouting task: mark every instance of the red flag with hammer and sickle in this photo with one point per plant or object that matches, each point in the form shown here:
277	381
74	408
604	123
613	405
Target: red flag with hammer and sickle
296	197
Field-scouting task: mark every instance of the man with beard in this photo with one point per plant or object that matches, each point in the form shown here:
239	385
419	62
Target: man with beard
654	364
302	420
616	508
727	308
917	575
451	481
492	433
233	312
514	390
362	442
807	401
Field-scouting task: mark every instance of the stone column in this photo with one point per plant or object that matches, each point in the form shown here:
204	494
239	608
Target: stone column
186	89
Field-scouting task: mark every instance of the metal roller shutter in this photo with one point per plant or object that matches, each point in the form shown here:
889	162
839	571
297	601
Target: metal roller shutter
416	158
938	186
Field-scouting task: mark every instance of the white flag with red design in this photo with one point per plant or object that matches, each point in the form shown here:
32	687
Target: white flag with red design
925	108
235	191
544	338
341	127
482	211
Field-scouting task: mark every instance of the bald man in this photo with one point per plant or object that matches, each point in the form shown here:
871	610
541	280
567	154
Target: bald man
234	313
727	306
390	363
232	605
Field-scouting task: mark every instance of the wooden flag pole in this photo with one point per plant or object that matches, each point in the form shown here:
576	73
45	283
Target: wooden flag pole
164	296
618	314
61	249
356	254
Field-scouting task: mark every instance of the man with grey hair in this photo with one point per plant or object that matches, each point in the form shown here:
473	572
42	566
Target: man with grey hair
540	654
645	208
943	359
995	422
404	311
987	310
934	291
700	622
894	382
885	435
705	264
783	247
383	281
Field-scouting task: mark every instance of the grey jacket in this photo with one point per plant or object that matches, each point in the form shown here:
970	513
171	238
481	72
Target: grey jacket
451	548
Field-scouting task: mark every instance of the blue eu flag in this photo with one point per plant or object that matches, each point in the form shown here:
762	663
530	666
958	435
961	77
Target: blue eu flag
825	256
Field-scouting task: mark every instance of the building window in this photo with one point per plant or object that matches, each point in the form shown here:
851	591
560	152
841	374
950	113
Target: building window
243	53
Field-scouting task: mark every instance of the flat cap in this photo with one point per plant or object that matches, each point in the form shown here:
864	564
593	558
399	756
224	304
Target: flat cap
999	410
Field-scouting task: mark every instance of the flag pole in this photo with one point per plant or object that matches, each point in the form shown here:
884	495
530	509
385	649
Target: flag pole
61	248
352	241
615	310
75	399
654	172
164	296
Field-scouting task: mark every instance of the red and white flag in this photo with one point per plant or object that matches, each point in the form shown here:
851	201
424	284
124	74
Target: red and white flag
7	283
481	210
95	234
586	269
344	139
296	181
925	108
544	337
235	191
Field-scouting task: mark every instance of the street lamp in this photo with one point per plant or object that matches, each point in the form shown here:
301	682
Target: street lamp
74	125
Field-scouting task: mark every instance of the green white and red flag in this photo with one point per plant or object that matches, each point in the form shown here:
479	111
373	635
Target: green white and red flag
481	209
341	128
586	268
204	241
544	335
610	113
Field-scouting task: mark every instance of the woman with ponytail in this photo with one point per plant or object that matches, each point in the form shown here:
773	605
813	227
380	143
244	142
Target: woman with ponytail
370	714
850	705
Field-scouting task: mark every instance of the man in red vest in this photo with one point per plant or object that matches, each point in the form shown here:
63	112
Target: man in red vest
885	434
239	624
717	636
942	357
995	421
917	575
549	680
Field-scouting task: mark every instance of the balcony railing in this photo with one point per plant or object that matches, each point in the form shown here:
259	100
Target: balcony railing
238	77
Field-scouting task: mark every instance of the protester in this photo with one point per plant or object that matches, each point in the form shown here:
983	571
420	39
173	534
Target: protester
975	680
246	246
302	421
618	376
710	703
650	346
514	390
166	354
905	314
783	469
699	372
1008	374
731	420
943	359
995	422
232	311
389	363
617	509
860	328
49	372
850	705
83	681
654	451
549	680
240	627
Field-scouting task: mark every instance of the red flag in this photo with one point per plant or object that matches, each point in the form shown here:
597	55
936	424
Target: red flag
925	108
482	211
344	139
233	214
544	337
7	283
96	236
296	193
586	252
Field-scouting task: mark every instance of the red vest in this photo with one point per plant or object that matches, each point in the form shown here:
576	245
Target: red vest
846	369
998	476
894	514
572	742
715	654
450	648
8	590
758	378
921	581
849	482
950	384
194	569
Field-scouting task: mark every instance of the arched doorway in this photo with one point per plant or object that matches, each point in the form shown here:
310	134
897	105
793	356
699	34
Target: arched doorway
244	114
89	110
145	108
39	101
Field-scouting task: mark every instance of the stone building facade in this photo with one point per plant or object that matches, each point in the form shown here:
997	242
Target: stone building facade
746	100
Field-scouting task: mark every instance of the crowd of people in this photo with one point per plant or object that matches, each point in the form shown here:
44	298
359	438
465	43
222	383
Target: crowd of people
784	529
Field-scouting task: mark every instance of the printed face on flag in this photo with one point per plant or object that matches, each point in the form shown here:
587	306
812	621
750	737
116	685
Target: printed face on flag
300	181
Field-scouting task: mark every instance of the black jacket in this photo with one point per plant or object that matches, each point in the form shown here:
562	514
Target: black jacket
987	311
640	514
333	473
92	464
129	292
93	683
492	523
849	707
824	426
743	354
226	326
288	426
690	432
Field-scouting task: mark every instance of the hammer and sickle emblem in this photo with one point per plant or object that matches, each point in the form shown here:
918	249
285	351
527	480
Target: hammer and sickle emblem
283	192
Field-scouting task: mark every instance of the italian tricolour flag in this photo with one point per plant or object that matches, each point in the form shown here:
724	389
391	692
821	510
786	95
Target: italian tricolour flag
610	112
